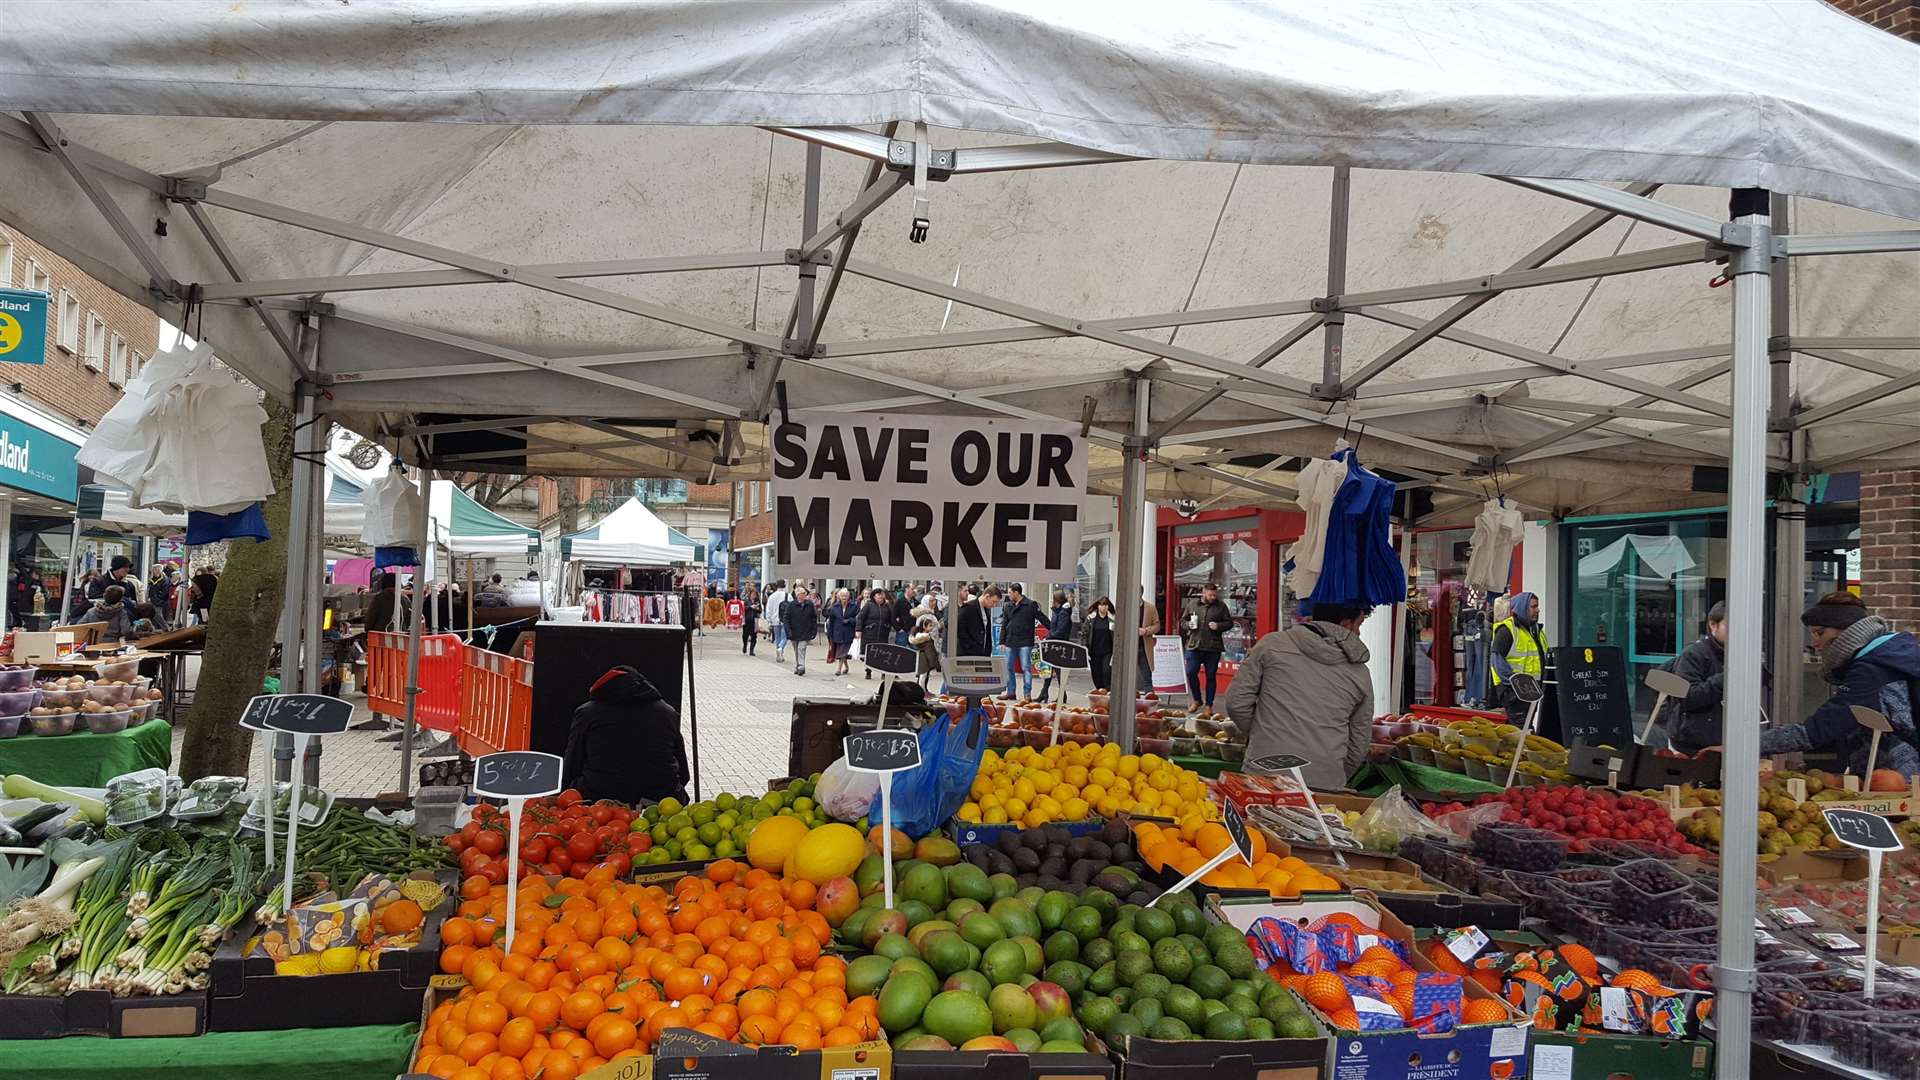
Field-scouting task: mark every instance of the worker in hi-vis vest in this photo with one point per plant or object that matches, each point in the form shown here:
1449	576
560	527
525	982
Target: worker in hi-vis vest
1519	648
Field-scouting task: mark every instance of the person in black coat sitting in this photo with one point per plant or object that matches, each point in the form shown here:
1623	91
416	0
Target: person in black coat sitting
625	743
875	623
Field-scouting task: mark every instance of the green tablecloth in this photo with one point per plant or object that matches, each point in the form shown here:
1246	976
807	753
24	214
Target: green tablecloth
352	1053
84	759
1208	767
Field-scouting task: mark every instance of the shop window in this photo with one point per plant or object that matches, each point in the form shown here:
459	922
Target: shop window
1225	553
766	497
69	321
37	278
117	362
6	260
1645	586
138	362
96	341
737	515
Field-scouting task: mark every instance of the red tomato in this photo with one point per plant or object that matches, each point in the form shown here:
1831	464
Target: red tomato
569	797
457	843
534	850
494	871
559	860
469	831
639	843
602	813
619	862
579	869
491	841
581	847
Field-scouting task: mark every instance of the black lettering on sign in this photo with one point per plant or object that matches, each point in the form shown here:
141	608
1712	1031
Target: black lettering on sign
958	546
1060	653
889	750
913	456
859	542
1590	689
1056	515
789	452
300	714
1009	529
972	460
889	658
1863	830
907	534
795	532
1277	763
830	458
1237	829
1013	471
517	774
873	455
1055	452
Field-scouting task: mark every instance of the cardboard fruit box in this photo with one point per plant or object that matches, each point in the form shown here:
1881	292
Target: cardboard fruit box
691	1055
96	1012
1468	1052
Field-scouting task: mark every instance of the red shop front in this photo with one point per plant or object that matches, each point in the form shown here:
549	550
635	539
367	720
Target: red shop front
1242	551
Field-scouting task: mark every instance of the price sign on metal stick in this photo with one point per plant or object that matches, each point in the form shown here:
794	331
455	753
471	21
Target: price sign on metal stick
1293	763
302	716
884	752
516	776
1875	721
1874	835
1242	846
251	722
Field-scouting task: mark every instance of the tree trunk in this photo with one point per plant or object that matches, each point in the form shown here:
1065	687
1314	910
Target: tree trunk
243	625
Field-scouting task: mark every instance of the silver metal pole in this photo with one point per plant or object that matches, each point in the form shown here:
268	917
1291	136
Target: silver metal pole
315	550
1126	615
1790	523
73	570
292	624
1749	266
413	635
1335	321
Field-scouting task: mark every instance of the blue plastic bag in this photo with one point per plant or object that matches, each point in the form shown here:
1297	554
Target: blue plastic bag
926	796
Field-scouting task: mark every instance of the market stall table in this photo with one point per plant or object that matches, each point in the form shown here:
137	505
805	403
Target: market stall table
351	1053
83	759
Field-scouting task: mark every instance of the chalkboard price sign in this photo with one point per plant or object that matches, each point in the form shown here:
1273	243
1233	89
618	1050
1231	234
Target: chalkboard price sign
883	751
1237	828
1863	830
1277	763
1061	653
891	659
517	774
1590	687
299	714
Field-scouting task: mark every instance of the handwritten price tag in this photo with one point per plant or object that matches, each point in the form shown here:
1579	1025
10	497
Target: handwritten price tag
517	774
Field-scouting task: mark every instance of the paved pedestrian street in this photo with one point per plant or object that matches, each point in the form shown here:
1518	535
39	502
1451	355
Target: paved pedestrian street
744	703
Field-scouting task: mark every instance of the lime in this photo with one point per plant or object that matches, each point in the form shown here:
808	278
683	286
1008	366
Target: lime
701	813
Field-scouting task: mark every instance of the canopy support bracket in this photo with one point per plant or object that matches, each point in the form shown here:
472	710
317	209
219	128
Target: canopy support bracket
162	285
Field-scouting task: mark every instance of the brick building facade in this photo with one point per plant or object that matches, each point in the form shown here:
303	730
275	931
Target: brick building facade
1898	17
1890	545
96	338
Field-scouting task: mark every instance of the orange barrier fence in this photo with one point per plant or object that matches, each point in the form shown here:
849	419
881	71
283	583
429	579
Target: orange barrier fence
445	704
496	702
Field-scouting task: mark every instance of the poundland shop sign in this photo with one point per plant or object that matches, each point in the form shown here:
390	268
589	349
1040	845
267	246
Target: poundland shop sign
36	461
23	326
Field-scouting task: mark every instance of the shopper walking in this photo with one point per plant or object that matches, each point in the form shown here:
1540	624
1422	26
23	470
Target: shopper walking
1097	633
875	623
841	617
802	622
1519	648
1143	654
904	602
1868	664
925	639
1305	691
750	614
1203	628
976	623
777	619
1016	633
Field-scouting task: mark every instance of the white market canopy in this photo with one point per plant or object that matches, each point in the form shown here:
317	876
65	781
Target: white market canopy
590	238
632	535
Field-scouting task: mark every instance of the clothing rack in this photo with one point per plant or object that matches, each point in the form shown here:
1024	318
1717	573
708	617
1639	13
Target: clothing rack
636	606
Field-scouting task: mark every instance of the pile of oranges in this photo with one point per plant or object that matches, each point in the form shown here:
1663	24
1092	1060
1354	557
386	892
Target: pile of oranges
600	968
1187	849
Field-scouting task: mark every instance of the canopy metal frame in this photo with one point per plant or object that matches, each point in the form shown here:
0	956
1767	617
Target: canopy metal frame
1671	416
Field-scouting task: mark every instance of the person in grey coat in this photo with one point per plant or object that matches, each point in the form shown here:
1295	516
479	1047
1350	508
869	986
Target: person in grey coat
1305	690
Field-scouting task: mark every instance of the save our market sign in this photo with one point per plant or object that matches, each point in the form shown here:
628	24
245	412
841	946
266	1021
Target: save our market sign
866	494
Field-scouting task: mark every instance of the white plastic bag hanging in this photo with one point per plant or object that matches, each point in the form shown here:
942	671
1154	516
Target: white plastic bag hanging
185	436
392	512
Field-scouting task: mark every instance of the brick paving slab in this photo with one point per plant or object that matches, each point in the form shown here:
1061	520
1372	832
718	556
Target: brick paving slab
744	707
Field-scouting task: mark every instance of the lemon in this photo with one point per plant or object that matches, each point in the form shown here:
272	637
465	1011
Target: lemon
1129	767
969	812
1076	809
303	964
995	815
340	958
